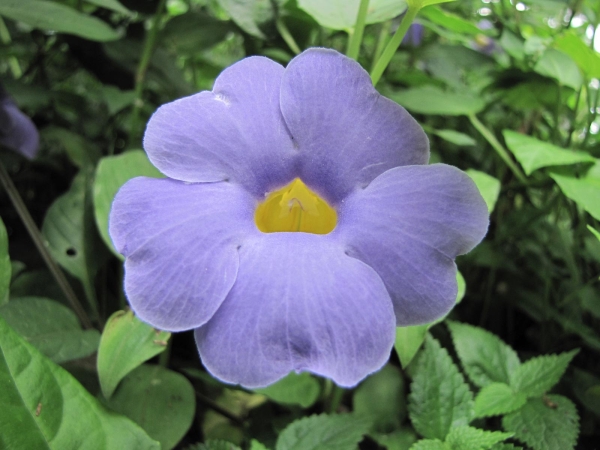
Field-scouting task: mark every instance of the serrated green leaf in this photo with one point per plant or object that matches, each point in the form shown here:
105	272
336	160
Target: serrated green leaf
440	398
335	432
341	14
562	68
45	408
534	154
550	423
295	389
455	137
586	58
469	438
5	265
126	343
585	190
485	358
381	397
506	447
429	444
435	101
50	327
496	399
538	375
159	400
56	17
111	174
489	187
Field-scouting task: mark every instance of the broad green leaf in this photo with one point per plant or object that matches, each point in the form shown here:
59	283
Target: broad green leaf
5	265
409	339
557	65
586	386
587	59
194	32
159	400
116	99
50	327
505	447
594	231
295	389
424	3
72	239
216	445
335	432
450	21
401	439
456	138
45	408
341	14
81	152
435	101
52	16
112	173
489	187
250	15
496	399
430	444
113	5
125	344
469	438
381	397
484	357
549	423
512	44
440	399
534	154
538	375
585	191
255	445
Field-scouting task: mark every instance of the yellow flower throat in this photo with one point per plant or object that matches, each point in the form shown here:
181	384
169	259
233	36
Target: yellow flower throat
295	207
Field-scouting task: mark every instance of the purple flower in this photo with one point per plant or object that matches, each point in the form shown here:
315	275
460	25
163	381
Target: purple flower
414	35
311	148
17	131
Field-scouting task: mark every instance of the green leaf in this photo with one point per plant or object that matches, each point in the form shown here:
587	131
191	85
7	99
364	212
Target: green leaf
434	100
112	173
585	190
50	327
456	138
450	21
401	439
505	447
56	17
469	438
587	59
496	399
80	151
194	32
113	5
255	445
550	423
250	15
43	407
381	397
341	14
594	232
116	99
125	344
587	390
538	375
489	187
424	3
335	432
557	65
295	389
485	358
430	444
440	398
159	400
534	154
5	265
216	445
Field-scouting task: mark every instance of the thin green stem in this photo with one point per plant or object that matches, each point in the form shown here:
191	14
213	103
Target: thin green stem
574	118
165	356
393	45
140	75
496	145
41	245
384	33
335	398
287	36
13	62
357	33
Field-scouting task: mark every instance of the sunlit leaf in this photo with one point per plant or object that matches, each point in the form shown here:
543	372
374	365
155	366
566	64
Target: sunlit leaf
585	190
5	266
433	100
587	59
489	187
295	389
562	68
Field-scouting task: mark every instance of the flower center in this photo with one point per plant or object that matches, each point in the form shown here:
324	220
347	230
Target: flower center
295	207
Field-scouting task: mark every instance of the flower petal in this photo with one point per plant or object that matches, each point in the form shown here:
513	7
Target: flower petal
235	132
180	242
346	132
299	303
409	224
17	131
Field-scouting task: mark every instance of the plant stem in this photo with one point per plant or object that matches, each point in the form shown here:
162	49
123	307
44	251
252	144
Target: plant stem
140	75
393	45
381	41
496	145
287	36
40	243
357	34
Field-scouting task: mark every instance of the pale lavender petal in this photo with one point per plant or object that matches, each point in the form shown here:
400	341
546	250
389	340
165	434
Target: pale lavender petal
299	303
181	247
346	132
409	224
235	132
17	131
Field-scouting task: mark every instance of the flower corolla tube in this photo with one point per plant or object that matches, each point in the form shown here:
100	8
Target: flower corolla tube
17	131
298	224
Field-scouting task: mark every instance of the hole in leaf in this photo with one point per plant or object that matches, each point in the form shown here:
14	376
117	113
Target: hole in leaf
71	252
